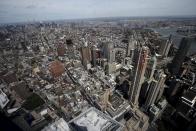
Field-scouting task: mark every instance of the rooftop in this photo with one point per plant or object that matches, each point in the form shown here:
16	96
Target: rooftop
56	68
189	95
118	105
95	120
59	125
3	99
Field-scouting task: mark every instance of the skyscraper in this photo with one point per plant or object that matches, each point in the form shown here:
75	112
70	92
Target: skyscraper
130	46
108	52
152	92
149	73
86	56
156	87
140	63
165	47
180	56
151	68
94	55
61	49
160	76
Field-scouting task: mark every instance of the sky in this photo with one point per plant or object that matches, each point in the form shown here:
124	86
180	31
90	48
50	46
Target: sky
36	10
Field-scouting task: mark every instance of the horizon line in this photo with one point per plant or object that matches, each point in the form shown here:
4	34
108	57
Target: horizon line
98	18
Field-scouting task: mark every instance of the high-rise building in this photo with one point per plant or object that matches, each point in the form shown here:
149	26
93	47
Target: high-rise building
93	52
131	55
86	56
151	68
149	73
155	89
173	88
152	93
130	46
138	121
108	52
180	56
140	64
165	47
161	85
95	55
60	49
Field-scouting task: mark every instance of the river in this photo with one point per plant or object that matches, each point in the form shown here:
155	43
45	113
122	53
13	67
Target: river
176	38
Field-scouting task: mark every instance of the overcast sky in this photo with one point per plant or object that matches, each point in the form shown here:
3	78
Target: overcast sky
30	10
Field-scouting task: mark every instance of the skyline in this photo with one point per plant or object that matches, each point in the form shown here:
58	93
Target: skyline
97	66
12	11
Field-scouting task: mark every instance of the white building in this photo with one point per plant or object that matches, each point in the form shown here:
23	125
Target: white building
59	125
95	120
3	99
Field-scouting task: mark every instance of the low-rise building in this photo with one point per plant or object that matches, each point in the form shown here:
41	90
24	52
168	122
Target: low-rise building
95	120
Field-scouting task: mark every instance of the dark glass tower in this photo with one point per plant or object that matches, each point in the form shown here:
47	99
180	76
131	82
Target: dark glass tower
180	56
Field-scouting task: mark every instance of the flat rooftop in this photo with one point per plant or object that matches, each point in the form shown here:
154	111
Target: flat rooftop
95	120
59	125
189	95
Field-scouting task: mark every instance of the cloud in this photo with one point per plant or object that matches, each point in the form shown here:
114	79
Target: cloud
31	6
3	11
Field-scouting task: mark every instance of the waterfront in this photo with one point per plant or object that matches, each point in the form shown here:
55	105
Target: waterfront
165	32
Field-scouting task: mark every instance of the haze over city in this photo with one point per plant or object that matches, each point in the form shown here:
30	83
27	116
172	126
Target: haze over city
35	10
